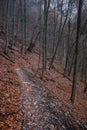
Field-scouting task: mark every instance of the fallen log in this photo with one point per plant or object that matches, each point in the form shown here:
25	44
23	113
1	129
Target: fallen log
7	57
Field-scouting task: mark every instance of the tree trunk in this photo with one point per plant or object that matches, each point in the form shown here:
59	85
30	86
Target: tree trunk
13	24
46	8
23	26
72	98
7	15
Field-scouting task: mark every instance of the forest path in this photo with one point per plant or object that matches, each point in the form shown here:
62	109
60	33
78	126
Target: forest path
39	110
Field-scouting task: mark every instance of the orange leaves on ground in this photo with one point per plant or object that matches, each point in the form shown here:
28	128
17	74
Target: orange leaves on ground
11	115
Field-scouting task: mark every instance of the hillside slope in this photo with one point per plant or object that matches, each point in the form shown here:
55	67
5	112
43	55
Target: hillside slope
11	114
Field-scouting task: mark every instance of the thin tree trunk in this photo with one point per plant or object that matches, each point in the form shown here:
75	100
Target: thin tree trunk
25	23
7	15
72	98
23	26
13	24
46	8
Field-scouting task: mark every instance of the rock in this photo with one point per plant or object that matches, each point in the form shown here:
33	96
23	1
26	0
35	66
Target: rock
63	127
85	126
7	95
35	103
52	105
52	127
67	113
29	114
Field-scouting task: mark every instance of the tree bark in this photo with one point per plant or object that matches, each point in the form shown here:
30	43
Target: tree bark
72	98
7	15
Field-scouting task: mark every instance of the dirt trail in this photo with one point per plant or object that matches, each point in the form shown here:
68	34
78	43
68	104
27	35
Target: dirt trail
39	110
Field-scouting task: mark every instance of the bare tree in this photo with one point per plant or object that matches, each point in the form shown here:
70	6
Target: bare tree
44	49
72	98
7	17
23	26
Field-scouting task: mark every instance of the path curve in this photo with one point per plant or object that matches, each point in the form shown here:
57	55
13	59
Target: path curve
40	112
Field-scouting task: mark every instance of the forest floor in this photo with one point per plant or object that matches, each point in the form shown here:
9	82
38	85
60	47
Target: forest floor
28	103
